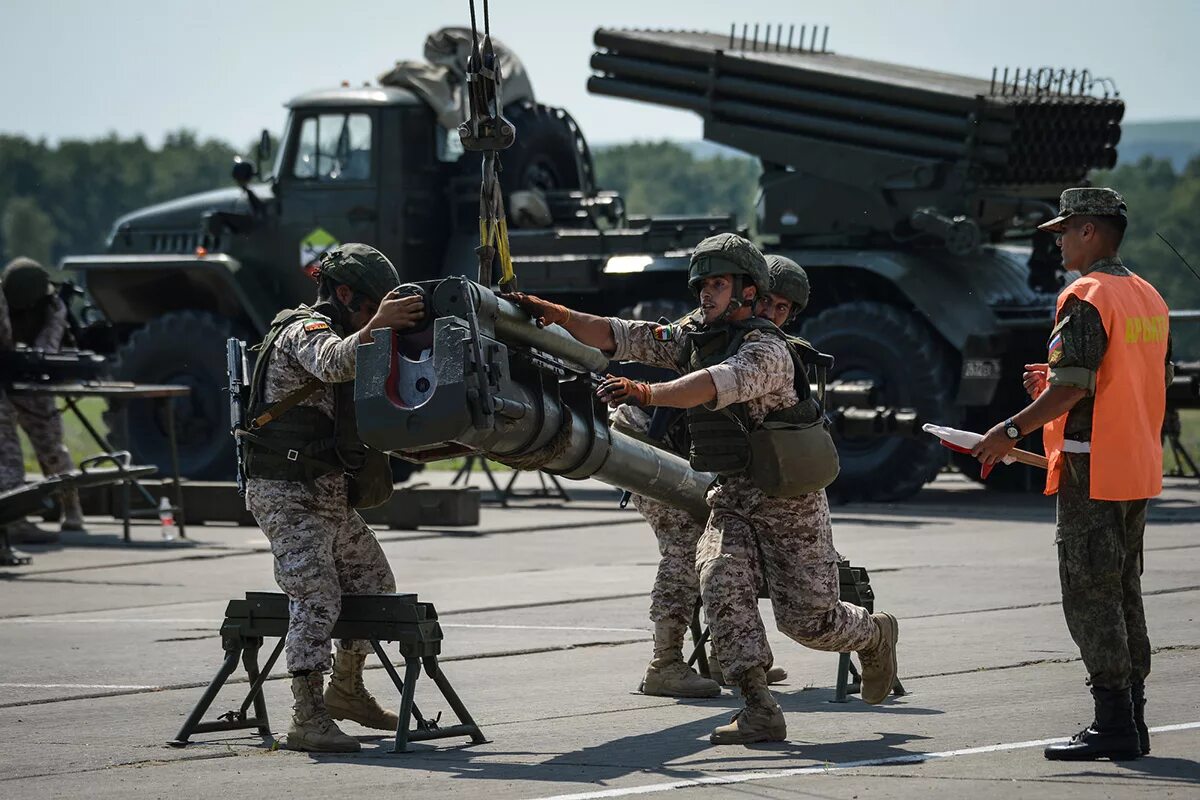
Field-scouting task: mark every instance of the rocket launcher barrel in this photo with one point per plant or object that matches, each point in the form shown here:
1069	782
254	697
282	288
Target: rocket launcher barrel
420	395
885	139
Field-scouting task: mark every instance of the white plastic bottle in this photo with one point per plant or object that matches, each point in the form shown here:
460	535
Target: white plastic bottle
166	518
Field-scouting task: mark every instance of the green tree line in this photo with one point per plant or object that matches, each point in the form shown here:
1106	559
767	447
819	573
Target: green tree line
58	200
62	199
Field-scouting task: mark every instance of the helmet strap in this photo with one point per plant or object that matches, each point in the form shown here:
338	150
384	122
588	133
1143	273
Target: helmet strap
735	299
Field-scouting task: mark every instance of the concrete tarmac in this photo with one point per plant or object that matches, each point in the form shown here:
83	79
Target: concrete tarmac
105	647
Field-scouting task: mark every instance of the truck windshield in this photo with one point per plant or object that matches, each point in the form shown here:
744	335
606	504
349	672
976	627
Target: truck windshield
334	148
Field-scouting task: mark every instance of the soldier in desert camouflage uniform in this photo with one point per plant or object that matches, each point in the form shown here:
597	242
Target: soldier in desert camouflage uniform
735	362
302	455
39	321
1099	540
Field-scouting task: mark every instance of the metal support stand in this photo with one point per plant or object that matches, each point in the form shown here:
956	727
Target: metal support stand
464	475
1185	465
375	618
554	490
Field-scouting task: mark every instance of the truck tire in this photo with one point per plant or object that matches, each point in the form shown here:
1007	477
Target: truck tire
913	368
182	347
547	154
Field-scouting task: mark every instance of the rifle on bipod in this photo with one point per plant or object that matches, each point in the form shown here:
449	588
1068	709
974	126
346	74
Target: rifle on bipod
239	390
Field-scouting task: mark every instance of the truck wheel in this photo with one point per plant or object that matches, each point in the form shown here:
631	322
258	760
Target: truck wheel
546	155
913	369
188	348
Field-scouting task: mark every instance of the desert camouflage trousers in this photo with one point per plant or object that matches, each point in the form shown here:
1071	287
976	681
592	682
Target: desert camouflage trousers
322	550
788	543
42	422
12	464
1100	569
676	584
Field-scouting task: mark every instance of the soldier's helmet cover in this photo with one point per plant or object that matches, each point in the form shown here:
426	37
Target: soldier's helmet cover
728	254
788	279
26	282
1090	201
361	267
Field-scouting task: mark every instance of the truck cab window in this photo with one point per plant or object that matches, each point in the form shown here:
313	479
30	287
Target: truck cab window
334	148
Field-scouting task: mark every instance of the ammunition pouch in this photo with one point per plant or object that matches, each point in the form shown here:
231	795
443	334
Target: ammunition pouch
791	459
299	445
720	442
371	485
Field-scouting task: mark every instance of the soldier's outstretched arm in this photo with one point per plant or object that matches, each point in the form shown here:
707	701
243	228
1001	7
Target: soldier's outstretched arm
587	328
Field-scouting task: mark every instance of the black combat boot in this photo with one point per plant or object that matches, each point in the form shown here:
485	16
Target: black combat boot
1138	693
1111	735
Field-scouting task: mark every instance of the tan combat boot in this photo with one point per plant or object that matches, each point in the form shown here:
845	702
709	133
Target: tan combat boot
312	729
879	659
775	673
668	674
72	512
347	697
760	721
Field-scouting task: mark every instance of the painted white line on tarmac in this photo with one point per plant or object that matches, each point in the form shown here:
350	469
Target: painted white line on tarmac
102	621
819	769
543	628
73	686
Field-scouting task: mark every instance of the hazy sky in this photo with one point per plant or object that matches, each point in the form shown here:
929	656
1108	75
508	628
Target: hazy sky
83	68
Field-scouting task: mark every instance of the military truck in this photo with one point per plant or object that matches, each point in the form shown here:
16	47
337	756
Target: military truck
910	197
367	164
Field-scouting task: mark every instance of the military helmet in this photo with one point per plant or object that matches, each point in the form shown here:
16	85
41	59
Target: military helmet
727	254
26	282
361	267
788	279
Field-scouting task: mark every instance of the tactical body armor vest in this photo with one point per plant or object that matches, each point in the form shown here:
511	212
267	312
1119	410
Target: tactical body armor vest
791	452
290	442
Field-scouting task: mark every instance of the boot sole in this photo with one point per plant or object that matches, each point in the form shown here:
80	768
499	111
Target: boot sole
1128	755
767	737
304	747
892	629
685	695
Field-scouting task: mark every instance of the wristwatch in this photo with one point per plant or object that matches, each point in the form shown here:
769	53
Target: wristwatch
1011	430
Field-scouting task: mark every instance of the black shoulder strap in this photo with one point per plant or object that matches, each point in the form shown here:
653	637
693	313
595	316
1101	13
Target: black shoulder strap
258	379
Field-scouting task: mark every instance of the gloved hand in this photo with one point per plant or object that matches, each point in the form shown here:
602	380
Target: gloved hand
617	391
542	311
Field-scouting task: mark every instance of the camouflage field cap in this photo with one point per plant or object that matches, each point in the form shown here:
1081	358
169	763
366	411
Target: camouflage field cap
362	268
727	254
26	282
788	279
1092	201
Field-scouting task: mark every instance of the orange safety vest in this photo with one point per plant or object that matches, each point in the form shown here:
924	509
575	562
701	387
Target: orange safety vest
1131	397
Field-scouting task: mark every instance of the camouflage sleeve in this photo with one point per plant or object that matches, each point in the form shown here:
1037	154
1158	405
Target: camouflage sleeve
646	342
1077	346
6	334
50	337
761	366
320	351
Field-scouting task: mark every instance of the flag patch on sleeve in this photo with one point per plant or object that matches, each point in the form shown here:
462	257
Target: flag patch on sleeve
316	325
1055	349
664	333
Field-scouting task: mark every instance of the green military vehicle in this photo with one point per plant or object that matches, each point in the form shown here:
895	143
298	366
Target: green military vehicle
909	196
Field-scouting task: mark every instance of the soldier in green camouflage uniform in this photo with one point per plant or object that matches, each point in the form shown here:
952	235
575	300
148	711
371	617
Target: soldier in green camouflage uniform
750	535
39	321
1099	541
322	547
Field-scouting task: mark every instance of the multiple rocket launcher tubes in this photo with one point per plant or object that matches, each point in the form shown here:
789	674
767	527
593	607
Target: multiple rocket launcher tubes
1023	127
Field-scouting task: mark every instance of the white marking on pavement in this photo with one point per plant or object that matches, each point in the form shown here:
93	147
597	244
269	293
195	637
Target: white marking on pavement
542	628
74	686
211	621
102	621
746	777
